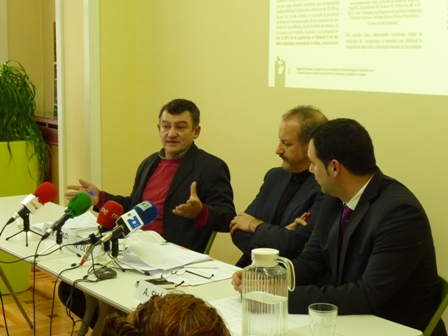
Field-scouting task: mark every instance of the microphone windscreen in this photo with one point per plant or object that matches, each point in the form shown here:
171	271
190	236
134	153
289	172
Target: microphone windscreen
147	212
46	192
109	213
79	204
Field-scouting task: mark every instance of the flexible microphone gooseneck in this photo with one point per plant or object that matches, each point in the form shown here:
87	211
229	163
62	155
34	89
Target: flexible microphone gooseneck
107	216
44	193
141	215
78	205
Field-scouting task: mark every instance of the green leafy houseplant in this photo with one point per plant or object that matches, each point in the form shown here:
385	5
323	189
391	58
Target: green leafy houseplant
17	119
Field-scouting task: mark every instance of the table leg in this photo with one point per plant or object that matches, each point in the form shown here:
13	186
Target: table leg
104	310
91	304
14	296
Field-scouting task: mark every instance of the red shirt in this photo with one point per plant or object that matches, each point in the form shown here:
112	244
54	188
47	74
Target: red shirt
157	188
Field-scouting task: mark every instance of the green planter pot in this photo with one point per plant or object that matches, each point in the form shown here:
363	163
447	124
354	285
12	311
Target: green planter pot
18	174
18	274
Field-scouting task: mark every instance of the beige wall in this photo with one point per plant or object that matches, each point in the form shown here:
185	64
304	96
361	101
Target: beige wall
25	41
3	31
216	54
123	145
48	50
73	126
30	42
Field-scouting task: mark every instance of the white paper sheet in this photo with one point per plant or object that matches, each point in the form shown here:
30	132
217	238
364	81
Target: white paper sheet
163	256
199	273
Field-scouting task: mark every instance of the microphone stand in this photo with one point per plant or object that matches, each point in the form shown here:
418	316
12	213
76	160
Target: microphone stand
114	259
26	229
59	243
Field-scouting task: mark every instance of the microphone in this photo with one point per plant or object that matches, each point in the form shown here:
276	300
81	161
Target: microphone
141	215
107	216
44	193
87	254
79	204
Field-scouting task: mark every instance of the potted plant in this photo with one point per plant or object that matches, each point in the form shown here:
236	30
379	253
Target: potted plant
18	124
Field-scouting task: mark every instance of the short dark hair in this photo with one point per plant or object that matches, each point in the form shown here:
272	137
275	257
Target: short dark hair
347	141
309	116
178	106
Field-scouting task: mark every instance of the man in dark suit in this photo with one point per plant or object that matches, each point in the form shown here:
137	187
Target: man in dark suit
276	217
190	187
371	251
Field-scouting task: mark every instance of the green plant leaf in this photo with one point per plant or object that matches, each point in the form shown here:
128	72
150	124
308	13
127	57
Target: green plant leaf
17	113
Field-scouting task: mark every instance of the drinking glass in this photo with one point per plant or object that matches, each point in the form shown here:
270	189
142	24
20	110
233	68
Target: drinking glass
322	318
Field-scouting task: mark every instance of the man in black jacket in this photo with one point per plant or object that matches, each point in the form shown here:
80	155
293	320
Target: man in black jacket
190	188
276	217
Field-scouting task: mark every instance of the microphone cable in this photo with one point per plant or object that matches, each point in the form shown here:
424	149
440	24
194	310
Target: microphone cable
68	303
33	290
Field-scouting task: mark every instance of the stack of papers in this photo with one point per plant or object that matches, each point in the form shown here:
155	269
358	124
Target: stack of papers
181	266
74	230
150	256
80	226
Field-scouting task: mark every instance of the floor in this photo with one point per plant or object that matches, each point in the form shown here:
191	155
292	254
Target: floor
61	324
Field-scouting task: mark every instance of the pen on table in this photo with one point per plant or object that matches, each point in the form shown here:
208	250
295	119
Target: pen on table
88	189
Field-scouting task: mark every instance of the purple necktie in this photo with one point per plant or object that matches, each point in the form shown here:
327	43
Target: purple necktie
346	213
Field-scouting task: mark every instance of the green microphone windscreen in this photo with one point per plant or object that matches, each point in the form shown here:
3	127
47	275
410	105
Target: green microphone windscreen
79	204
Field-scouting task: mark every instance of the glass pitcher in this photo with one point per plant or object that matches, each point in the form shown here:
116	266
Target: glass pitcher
265	293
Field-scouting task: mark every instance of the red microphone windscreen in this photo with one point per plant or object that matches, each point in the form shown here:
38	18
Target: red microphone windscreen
46	192
109	213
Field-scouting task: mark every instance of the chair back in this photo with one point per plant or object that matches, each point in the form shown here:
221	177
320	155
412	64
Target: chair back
443	304
210	243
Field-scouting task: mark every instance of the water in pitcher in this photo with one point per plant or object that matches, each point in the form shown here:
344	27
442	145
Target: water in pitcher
265	314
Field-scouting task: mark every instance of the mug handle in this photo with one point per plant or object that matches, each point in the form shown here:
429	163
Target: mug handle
290	271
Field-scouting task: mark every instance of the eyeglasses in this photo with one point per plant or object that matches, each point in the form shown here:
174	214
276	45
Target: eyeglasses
183	270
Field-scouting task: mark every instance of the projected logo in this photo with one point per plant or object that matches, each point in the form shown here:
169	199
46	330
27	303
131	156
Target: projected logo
280	70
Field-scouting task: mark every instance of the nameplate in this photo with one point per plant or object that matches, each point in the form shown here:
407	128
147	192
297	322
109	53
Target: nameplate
146	289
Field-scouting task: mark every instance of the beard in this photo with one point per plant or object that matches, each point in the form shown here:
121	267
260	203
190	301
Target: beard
286	165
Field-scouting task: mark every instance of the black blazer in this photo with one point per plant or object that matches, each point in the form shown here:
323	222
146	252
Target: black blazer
213	188
384	264
289	243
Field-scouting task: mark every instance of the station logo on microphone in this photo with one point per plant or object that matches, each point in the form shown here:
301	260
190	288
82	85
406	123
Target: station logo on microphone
133	220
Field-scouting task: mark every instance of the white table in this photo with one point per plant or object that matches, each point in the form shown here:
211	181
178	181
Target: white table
17	245
120	291
362	325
